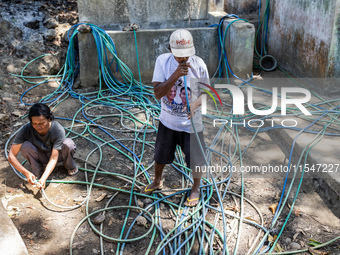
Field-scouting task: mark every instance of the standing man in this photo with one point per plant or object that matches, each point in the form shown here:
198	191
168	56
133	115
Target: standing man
42	141
175	120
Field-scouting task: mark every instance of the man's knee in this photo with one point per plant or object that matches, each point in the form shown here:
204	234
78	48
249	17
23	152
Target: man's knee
27	148
69	145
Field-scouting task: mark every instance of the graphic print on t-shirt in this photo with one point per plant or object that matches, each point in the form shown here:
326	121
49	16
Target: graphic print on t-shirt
175	101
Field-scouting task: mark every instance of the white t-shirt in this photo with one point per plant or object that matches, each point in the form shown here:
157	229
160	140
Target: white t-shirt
173	105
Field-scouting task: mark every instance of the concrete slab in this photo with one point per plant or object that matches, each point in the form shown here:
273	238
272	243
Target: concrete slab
323	159
10	239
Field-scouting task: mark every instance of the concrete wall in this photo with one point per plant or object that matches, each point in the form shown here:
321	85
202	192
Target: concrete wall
115	14
151	43
304	37
157	20
246	9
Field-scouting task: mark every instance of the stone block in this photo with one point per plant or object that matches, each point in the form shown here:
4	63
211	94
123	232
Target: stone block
239	44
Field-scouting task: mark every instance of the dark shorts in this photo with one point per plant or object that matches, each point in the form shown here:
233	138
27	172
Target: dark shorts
166	142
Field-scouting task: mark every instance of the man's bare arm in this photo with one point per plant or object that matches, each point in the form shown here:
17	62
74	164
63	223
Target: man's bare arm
49	168
163	88
12	158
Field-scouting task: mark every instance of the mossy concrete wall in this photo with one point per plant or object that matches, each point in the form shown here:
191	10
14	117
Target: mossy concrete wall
246	9
304	37
115	14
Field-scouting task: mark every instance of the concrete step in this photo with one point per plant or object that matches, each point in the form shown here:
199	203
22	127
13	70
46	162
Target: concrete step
11	242
323	160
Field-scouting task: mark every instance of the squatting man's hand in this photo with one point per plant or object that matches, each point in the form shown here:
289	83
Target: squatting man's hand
31	178
41	184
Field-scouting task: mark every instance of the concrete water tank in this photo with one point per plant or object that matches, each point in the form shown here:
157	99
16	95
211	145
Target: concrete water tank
157	20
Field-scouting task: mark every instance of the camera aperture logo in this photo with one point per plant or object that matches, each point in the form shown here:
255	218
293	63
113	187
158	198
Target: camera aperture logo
239	102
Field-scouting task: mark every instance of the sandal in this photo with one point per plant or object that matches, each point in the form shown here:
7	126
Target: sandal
148	191
191	200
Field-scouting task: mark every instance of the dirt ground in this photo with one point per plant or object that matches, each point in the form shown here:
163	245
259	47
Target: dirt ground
47	229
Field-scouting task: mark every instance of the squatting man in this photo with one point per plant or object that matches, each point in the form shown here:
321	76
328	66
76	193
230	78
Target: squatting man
175	118
42	142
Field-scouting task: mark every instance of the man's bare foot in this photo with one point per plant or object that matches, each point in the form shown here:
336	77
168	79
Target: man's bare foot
73	171
152	187
193	199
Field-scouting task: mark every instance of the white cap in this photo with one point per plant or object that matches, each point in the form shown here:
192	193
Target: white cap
182	44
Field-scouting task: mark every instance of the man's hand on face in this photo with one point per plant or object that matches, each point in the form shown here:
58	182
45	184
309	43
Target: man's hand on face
183	69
